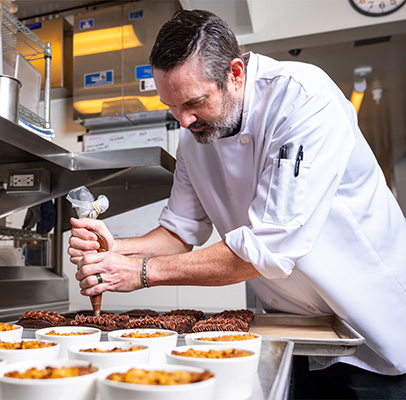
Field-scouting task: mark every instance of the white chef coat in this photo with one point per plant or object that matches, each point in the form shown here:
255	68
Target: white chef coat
331	240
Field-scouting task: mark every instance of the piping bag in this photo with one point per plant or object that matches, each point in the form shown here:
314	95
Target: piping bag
87	207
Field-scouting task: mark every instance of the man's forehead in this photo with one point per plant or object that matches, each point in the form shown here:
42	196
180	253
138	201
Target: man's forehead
181	87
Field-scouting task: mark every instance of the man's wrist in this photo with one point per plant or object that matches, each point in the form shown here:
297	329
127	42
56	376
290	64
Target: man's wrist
143	273
124	246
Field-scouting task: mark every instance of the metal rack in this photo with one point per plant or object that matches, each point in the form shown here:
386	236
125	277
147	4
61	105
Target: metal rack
17	38
29	241
7	233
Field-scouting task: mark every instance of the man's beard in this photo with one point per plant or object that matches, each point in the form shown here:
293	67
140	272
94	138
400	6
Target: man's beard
229	119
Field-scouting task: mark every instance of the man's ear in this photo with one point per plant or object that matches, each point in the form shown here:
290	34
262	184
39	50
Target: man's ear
237	75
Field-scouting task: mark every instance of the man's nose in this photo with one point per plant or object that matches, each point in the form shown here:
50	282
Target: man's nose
186	118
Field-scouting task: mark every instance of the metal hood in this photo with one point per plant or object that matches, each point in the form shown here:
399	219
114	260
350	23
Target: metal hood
113	83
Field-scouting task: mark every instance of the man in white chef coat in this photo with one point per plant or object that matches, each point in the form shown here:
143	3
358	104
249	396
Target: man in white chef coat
270	153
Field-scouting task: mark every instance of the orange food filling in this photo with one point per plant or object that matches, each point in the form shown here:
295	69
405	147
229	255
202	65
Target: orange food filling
144	335
227	353
149	377
228	338
25	345
52	373
54	333
114	350
6	327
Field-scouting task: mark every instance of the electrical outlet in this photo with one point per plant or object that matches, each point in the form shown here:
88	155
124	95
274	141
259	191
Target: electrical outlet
29	181
22	180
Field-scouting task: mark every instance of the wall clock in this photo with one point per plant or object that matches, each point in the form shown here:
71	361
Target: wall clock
377	8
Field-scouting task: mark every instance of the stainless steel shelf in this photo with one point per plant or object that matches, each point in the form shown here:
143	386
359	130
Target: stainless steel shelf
135	177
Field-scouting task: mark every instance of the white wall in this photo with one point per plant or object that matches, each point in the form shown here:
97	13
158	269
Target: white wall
273	20
281	19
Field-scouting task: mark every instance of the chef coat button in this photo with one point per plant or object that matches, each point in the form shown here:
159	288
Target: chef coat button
311	308
273	303
245	139
229	191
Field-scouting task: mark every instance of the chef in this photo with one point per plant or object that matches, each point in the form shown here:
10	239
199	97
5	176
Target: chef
270	153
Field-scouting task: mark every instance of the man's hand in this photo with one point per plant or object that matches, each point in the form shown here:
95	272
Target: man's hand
119	273
84	238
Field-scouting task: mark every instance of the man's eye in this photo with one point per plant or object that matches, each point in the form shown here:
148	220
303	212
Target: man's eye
196	104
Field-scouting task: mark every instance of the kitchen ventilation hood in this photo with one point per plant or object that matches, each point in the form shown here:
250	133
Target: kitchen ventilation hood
113	84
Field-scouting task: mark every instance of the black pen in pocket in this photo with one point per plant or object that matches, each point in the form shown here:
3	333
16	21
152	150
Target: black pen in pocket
283	153
299	158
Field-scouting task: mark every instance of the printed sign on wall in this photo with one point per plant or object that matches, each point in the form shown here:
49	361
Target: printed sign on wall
86	24
103	78
135	14
143	72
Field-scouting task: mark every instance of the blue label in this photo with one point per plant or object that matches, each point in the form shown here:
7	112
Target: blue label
135	14
143	72
99	79
37	25
86	24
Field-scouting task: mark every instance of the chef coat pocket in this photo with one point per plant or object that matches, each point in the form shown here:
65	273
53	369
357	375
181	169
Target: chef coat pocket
286	198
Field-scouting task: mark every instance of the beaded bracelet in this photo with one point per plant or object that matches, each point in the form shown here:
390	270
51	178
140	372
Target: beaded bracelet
144	279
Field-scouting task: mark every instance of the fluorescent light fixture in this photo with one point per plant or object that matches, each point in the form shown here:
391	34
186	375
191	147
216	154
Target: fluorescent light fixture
104	40
151	103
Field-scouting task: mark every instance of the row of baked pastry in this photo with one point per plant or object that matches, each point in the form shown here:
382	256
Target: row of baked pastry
181	321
